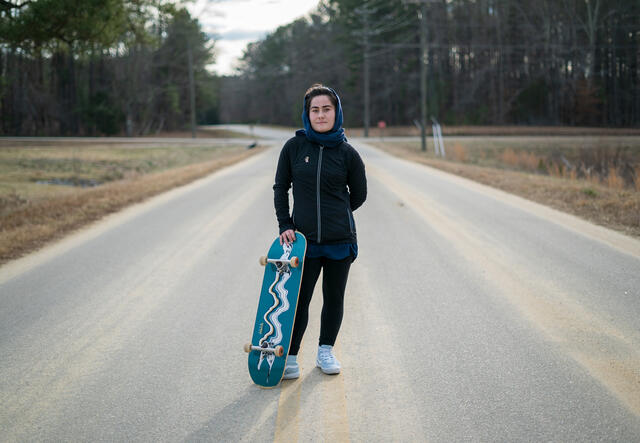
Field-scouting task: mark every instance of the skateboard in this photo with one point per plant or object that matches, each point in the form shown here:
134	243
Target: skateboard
273	328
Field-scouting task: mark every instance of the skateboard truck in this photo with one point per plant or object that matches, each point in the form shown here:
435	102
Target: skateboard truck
278	350
294	261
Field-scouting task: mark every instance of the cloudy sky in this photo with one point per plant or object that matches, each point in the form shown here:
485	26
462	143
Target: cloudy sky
238	22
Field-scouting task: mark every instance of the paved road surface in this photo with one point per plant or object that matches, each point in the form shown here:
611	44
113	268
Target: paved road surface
470	315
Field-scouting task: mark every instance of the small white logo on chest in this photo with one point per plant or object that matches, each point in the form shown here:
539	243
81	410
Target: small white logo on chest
306	159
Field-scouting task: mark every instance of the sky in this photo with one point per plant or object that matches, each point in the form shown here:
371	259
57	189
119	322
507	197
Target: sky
235	23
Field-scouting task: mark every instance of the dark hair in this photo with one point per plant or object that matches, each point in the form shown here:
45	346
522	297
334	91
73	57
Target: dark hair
319	89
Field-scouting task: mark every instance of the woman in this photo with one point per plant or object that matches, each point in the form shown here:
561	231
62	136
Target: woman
329	183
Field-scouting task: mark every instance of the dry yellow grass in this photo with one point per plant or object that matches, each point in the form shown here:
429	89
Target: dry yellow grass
447	130
36	223
612	204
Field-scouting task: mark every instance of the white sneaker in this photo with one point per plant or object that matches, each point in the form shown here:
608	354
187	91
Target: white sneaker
326	361
291	369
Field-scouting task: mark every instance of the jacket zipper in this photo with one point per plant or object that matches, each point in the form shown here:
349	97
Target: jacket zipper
318	194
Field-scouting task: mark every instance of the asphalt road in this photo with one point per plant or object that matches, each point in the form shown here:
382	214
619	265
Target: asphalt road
471	315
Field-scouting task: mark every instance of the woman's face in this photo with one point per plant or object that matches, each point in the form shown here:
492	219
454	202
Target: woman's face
322	113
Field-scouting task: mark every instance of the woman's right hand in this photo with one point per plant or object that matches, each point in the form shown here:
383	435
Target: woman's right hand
288	236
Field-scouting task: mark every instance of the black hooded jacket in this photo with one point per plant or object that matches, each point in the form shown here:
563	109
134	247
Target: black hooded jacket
329	183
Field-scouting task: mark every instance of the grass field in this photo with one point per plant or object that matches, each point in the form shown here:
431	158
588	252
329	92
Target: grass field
31	173
596	178
486	131
49	190
603	159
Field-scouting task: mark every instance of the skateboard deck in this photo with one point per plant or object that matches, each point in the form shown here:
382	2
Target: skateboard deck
273	327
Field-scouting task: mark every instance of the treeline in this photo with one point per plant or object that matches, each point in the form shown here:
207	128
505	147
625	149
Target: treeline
101	67
551	62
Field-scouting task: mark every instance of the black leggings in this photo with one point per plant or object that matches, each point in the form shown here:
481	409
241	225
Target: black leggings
334	281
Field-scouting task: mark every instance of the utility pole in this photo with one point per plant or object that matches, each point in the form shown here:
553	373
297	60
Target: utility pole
364	12
367	96
424	53
192	91
423	75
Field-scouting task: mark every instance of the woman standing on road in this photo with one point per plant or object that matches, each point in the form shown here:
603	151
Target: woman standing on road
329	183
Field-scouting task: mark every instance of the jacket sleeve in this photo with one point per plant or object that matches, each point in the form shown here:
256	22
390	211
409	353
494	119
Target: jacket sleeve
281	190
357	181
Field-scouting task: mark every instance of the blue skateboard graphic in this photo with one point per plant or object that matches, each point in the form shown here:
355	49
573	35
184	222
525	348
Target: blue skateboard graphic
273	327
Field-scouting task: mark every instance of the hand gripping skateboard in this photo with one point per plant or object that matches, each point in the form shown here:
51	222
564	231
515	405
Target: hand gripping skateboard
272	330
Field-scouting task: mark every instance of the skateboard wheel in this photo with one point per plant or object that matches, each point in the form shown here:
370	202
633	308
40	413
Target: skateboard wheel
279	351
247	347
295	262
263	260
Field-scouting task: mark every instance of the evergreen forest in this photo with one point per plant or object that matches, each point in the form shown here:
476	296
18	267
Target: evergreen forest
102	67
106	67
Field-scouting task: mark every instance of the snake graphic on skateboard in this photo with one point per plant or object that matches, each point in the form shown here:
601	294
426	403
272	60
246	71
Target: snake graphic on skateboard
273	327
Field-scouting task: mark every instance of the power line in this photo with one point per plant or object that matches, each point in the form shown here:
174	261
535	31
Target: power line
495	46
